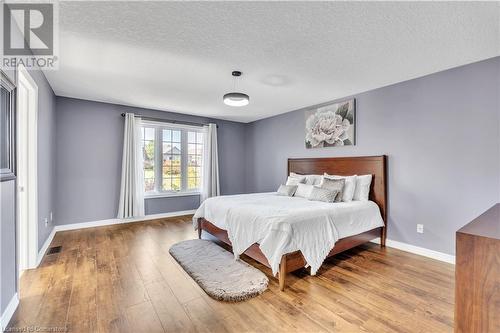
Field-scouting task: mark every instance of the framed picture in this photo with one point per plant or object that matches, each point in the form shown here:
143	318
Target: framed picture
331	125
7	127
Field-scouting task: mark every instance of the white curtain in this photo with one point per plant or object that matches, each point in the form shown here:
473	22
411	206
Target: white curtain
211	187
132	185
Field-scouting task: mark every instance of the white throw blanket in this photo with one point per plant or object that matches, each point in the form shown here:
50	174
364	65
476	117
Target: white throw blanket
283	224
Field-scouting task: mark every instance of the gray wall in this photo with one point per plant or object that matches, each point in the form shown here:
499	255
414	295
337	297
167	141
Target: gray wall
441	133
89	145
8	244
46	189
46	155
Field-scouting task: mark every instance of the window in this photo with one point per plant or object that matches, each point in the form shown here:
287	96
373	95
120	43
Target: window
7	127
173	158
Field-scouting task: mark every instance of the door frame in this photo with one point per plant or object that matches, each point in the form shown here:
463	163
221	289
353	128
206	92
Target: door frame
24	79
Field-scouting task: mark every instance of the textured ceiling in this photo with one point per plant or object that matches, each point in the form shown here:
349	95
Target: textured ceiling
178	56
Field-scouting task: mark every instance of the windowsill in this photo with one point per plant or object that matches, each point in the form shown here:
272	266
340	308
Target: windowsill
168	195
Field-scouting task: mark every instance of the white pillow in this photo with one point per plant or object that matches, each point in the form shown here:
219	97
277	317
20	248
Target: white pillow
310	179
362	188
349	187
295	180
303	190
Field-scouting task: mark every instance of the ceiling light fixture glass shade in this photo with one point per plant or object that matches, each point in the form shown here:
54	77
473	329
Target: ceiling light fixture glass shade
236	99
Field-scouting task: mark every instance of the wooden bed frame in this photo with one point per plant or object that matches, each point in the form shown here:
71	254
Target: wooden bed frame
344	166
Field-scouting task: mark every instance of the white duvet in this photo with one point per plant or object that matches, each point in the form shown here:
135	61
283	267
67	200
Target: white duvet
283	224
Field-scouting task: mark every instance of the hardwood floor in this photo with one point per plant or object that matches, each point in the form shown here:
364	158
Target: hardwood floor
122	279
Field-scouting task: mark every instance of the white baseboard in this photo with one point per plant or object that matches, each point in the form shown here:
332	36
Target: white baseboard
101	223
9	312
45	247
418	250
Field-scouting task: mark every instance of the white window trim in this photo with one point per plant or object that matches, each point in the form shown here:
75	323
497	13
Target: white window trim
165	194
159	126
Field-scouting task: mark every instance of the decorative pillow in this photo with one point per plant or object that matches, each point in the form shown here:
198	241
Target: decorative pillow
362	188
295	180
323	194
287	190
349	187
310	179
303	190
334	185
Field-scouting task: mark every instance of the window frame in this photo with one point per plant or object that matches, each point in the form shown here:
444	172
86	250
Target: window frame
8	171
158	158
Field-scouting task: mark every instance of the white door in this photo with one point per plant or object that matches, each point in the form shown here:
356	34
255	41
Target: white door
27	198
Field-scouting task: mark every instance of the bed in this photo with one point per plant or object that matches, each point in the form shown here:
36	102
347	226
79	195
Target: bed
261	223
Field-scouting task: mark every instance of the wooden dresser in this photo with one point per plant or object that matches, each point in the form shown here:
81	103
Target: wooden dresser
477	277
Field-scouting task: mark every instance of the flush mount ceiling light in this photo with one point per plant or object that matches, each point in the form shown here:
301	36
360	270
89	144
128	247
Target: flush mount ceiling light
236	98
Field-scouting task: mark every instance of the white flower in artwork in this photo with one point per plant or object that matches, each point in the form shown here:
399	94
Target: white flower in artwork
326	126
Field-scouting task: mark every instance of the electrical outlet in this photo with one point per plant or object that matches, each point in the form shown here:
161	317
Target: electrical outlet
51	217
420	228
46	221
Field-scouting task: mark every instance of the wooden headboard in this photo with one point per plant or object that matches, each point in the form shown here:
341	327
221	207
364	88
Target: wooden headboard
346	166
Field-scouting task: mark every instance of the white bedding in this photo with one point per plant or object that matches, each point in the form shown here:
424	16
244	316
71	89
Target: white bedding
283	224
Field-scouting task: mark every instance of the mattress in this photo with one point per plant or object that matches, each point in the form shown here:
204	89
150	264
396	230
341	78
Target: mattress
283	224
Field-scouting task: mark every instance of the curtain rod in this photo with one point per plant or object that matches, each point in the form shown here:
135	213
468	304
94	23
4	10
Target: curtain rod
170	121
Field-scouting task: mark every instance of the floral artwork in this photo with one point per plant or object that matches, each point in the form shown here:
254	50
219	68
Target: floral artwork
331	125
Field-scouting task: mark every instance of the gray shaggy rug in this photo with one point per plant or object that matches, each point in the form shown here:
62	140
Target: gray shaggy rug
216	271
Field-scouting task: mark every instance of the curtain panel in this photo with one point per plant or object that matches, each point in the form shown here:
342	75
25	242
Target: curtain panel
211	186
131	202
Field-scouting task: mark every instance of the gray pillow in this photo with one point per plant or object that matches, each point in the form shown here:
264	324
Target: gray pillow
334	185
310	179
323	194
287	190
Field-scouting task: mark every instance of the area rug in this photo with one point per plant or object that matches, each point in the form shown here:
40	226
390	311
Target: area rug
217	272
